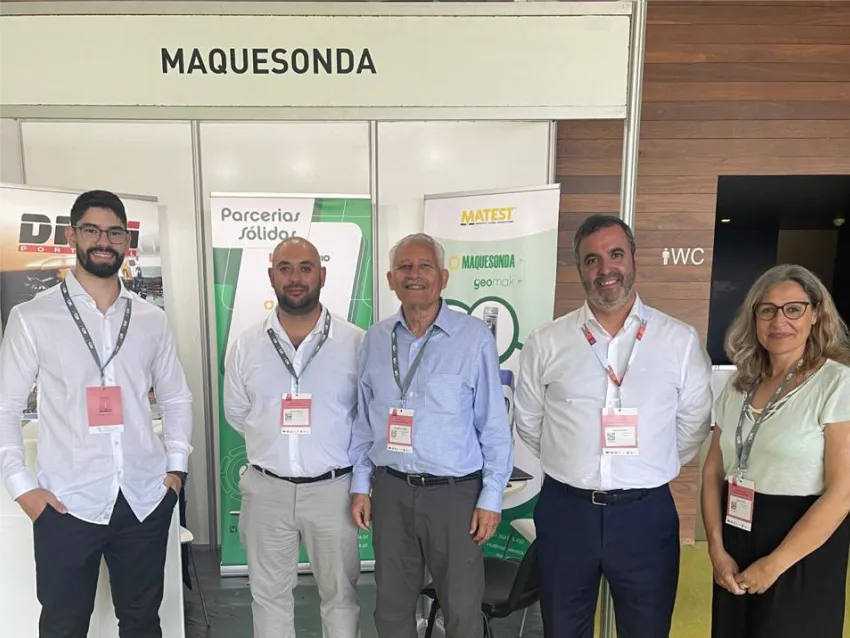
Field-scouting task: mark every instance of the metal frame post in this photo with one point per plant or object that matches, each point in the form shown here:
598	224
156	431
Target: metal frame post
628	193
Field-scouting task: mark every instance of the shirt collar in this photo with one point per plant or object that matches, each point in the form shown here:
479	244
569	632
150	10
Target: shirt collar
638	310
273	322
445	320
75	288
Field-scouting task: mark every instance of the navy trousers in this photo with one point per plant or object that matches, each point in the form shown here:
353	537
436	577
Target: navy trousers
635	544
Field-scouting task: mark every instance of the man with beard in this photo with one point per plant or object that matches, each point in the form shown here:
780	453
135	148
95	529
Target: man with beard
614	398
106	484
433	429
290	390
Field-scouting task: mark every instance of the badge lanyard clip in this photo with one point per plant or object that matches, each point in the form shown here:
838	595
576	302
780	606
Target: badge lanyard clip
603	356
81	326
326	329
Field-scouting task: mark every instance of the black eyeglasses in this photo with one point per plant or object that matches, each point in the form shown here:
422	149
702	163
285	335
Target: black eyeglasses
792	310
115	235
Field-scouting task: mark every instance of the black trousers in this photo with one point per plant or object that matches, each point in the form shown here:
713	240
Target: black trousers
419	527
634	544
806	601
68	553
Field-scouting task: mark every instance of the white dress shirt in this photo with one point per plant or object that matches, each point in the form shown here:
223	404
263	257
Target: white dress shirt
85	471
256	379
562	389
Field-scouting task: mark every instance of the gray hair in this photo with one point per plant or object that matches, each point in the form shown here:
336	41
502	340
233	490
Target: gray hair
596	223
425	238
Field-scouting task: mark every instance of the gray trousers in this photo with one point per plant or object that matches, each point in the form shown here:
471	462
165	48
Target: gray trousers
418	527
275	517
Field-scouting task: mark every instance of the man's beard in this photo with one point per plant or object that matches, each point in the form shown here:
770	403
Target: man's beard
303	306
601	300
98	269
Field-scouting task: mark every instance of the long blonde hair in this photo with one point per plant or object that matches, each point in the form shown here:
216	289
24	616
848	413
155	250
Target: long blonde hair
828	339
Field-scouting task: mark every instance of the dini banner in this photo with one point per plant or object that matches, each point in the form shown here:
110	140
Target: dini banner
245	229
35	256
501	254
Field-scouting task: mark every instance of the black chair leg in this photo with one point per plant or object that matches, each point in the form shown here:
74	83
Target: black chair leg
488	631
432	619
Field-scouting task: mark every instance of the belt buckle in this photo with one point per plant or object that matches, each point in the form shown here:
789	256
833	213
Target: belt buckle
593	498
416	477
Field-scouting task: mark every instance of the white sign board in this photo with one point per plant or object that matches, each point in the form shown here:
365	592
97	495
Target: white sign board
555	65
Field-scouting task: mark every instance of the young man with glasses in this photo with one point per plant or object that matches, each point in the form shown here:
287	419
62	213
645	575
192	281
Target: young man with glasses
106	484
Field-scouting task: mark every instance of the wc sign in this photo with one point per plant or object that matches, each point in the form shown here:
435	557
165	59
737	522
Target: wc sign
683	256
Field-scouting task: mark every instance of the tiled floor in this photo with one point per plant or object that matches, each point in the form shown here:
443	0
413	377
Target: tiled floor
229	603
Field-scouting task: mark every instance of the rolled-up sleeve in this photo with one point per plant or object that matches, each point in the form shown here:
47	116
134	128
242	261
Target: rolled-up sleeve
494	432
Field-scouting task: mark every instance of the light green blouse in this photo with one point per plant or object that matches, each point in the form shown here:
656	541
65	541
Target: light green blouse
787	453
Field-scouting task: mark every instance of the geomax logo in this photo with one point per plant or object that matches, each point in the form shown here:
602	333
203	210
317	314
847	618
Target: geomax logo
38	230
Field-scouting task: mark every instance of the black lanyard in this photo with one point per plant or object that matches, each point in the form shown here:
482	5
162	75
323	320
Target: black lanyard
743	447
326	329
411	372
122	332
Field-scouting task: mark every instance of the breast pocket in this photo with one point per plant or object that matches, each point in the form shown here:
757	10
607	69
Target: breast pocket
443	393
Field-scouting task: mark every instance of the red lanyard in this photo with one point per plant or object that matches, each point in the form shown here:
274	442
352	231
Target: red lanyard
603	356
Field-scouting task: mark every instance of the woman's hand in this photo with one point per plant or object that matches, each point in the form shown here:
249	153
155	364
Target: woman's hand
725	570
760	576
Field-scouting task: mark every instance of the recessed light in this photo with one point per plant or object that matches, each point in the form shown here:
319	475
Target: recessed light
725	220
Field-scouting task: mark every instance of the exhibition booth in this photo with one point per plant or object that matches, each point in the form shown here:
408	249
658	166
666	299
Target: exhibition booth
227	127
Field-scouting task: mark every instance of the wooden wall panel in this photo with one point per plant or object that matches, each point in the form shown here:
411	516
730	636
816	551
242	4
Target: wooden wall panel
740	88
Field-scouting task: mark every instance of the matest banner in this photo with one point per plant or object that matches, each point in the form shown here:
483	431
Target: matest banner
501	252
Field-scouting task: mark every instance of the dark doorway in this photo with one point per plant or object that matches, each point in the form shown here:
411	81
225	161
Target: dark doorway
762	221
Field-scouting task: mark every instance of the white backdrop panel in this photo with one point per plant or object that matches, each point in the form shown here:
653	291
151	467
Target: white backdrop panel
285	157
11	162
145	158
419	158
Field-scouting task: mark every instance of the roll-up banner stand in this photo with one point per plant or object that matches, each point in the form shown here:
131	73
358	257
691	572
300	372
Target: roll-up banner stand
245	229
35	256
501	253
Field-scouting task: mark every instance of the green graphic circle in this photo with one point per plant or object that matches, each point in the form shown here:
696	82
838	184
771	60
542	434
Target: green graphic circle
515	344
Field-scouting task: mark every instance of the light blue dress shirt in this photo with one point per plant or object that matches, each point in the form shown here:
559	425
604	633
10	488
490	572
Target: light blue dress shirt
460	423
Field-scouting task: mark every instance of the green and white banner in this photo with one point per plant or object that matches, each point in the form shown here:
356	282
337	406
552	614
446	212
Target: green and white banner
245	229
501	253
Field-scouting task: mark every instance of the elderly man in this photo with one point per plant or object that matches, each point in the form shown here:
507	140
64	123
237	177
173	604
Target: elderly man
290	389
433	429
614	398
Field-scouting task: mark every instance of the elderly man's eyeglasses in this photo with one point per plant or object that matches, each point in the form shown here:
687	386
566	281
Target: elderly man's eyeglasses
792	310
115	235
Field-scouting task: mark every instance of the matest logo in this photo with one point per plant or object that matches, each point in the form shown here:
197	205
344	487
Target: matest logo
40	234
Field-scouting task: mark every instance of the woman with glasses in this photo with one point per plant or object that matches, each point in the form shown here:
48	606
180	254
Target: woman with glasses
776	483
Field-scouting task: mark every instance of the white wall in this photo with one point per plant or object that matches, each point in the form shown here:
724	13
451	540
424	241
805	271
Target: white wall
422	158
142	158
11	162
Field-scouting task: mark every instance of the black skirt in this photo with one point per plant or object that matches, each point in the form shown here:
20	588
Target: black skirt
807	601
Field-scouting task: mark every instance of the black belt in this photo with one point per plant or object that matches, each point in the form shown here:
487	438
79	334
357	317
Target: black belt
609	497
426	480
305	479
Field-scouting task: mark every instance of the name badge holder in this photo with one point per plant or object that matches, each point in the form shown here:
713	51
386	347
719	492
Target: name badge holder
740	505
104	407
296	409
619	425
400	419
